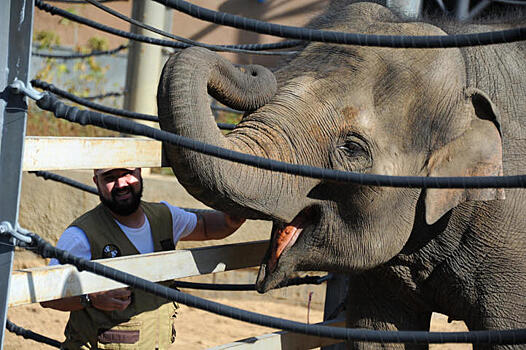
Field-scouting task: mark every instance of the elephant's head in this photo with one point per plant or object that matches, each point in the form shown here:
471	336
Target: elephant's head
361	109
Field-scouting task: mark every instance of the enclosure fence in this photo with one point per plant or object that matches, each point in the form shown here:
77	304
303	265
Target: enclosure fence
17	24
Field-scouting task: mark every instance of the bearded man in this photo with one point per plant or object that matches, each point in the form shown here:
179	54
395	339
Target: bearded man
122	224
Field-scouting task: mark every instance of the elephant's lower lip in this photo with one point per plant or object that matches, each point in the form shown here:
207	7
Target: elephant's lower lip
287	236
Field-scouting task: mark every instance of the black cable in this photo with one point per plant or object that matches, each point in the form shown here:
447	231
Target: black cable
105	95
214	286
65	180
175	37
80	55
253	48
121	112
511	2
307	34
515	336
27	334
50	103
51	176
81	1
248	287
226	109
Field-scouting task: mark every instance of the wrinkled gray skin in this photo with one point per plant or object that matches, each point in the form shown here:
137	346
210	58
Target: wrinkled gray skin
440	112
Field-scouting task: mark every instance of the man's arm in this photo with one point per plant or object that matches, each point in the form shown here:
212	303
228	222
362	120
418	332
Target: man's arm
65	304
213	225
117	299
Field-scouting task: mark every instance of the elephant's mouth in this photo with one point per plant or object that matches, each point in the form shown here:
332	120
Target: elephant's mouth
286	235
277	269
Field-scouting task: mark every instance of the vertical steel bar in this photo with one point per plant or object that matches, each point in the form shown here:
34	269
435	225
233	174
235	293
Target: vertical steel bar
462	10
16	24
408	9
335	294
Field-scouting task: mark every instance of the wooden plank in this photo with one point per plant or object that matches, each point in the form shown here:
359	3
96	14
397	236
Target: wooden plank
284	340
61	153
48	283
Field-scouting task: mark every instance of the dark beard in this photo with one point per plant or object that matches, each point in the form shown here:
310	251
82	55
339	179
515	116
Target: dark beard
120	208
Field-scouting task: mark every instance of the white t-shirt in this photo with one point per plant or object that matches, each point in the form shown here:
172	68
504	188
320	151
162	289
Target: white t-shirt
75	241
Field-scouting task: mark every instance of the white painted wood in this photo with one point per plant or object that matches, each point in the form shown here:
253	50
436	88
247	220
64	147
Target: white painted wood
47	283
284	340
62	153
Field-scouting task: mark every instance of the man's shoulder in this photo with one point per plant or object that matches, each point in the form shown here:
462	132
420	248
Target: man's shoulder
86	217
152	204
156	209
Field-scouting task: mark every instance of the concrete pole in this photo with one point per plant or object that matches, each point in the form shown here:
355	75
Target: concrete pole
408	9
144	61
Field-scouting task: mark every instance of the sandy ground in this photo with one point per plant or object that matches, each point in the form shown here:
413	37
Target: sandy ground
196	329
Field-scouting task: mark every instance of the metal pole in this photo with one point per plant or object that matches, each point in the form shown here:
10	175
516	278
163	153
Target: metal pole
16	24
408	9
462	10
335	295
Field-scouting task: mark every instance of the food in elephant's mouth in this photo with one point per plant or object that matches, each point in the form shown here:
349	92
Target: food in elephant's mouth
285	237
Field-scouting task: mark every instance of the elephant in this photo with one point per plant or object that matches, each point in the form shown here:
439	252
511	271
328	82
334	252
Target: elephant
407	252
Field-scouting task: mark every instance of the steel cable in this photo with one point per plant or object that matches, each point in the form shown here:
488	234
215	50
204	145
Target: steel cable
81	1
79	185
50	103
252	48
120	112
514	336
249	287
27	334
175	37
307	34
105	95
80	55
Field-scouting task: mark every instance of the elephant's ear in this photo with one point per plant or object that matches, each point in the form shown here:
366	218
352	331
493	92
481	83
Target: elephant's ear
477	152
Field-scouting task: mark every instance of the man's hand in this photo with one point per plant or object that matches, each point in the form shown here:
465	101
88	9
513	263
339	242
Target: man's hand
234	222
111	300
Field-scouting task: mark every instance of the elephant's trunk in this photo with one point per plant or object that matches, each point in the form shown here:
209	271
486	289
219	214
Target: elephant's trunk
184	109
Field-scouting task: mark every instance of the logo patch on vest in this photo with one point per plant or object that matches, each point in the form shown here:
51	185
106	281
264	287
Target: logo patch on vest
110	251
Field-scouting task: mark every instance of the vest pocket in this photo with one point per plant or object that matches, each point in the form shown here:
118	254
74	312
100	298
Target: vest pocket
123	336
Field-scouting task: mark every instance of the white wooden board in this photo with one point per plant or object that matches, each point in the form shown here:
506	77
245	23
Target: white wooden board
48	283
61	153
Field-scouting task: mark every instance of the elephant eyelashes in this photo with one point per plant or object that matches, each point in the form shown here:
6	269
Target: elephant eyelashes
352	148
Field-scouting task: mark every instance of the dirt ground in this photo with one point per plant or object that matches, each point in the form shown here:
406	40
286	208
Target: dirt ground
196	329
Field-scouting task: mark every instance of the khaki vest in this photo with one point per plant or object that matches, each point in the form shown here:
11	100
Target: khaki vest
147	323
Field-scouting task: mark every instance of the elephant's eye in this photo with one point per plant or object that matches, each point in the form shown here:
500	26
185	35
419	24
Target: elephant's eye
353	154
351	148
